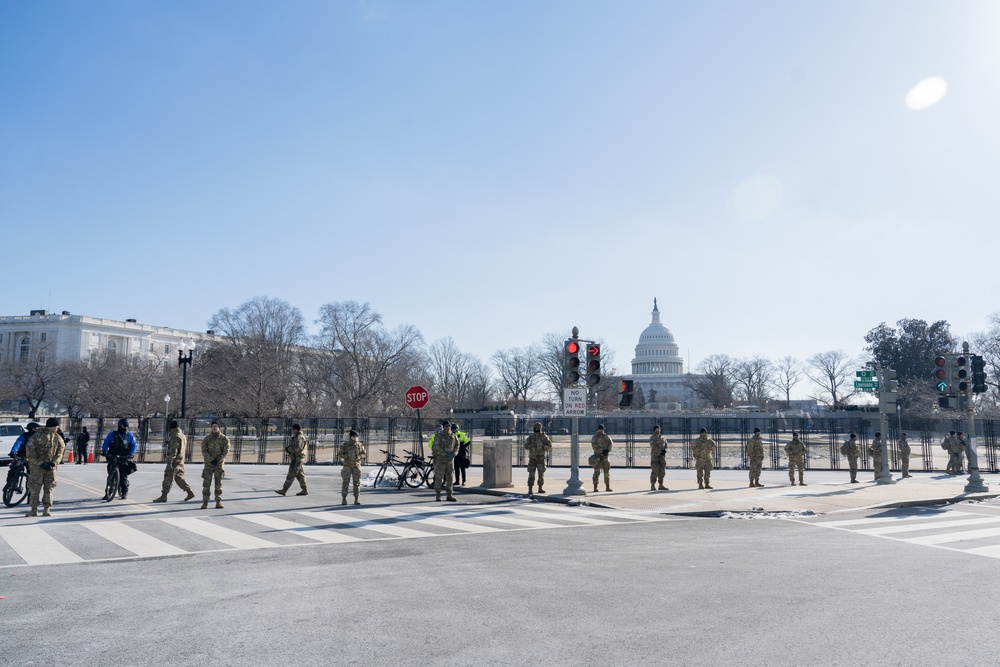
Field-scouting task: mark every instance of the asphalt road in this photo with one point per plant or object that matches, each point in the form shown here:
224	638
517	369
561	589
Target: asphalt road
572	586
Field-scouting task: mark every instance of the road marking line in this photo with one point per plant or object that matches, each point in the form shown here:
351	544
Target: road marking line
342	519
433	521
311	532
859	522
562	516
233	538
909	528
955	537
992	551
514	521
36	547
133	540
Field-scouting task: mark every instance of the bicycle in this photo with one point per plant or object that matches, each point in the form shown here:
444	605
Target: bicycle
418	470
16	488
390	463
114	476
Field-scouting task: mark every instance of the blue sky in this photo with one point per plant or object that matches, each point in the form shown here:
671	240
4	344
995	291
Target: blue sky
497	171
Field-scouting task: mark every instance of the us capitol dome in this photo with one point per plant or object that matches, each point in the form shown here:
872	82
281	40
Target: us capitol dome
658	369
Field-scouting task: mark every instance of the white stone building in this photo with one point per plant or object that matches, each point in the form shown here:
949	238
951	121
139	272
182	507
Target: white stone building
658	369
67	337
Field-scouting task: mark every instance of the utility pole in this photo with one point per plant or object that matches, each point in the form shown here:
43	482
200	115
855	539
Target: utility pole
887	396
975	484
571	375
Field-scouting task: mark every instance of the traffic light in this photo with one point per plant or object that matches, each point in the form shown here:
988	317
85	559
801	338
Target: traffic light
593	364
959	373
571	362
978	374
941	374
887	391
626	394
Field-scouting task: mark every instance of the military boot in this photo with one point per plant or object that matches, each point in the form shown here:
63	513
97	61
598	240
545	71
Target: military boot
801	483
33	511
700	485
663	488
540	489
204	503
652	487
437	497
45	511
218	504
161	499
595	487
451	498
529	489
190	494
303	492
607	486
752	485
356	501
343	500
281	492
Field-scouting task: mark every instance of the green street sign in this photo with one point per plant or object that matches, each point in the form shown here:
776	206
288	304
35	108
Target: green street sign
866	384
865	374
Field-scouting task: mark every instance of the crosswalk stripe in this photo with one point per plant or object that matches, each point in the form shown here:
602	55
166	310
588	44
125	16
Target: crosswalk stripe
36	547
992	551
912	527
434	521
342	519
562	517
311	532
891	519
514	521
955	537
133	540
233	538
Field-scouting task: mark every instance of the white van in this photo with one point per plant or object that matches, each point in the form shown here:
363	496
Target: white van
9	433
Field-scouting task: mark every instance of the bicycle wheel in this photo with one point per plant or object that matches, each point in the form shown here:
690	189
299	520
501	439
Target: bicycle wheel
429	477
16	490
379	476
412	477
112	486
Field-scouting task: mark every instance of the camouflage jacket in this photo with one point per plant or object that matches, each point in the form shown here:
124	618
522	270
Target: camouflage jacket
875	449
703	448
351	453
957	445
657	446
755	448
795	449
601	442
537	445
851	449
176	446
297	447
445	446
904	446
215	447
44	447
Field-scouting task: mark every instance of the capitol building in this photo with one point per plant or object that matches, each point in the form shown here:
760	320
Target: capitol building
658	369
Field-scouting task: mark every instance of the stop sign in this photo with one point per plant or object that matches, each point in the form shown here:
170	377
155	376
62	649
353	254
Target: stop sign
416	397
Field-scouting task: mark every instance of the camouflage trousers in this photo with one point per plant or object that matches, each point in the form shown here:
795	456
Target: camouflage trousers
295	472
703	468
174	473
796	463
444	474
657	469
876	466
904	462
853	461
533	465
41	483
210	473
602	465
348	474
755	466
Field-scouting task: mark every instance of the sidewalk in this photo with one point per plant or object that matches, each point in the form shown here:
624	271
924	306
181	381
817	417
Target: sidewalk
825	491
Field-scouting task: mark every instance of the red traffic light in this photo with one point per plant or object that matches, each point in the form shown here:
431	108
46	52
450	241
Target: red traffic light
624	386
941	374
594	350
572	347
940	362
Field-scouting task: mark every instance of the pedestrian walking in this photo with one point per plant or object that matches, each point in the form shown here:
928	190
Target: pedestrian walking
44	452
602	445
755	457
875	451
296	448
119	448
463	459
958	449
703	450
796	451
82	440
904	455
445	448
351	455
657	459
214	449
852	450
948	445
174	472
538	445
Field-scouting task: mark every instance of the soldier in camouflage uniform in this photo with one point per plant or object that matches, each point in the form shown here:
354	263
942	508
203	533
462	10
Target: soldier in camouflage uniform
852	450
755	456
947	446
297	448
657	459
796	451
875	451
44	452
214	449
538	445
445	447
602	444
176	446
904	455
958	450
351	455
703	450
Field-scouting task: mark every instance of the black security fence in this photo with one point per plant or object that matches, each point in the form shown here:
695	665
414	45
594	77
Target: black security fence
263	440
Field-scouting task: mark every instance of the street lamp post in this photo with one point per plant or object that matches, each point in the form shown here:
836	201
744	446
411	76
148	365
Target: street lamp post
166	408
184	361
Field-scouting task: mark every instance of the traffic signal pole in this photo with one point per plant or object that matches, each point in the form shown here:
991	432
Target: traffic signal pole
975	484
574	487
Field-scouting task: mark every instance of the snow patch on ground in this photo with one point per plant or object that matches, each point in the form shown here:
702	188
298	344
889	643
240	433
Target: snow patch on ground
759	513
388	482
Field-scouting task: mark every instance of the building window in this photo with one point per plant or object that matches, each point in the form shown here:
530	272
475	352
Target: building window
112	348
25	349
44	335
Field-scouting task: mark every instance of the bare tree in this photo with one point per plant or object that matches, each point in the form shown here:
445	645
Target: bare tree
30	379
753	377
714	381
787	374
519	371
364	363
551	363
831	371
114	384
987	344
453	374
